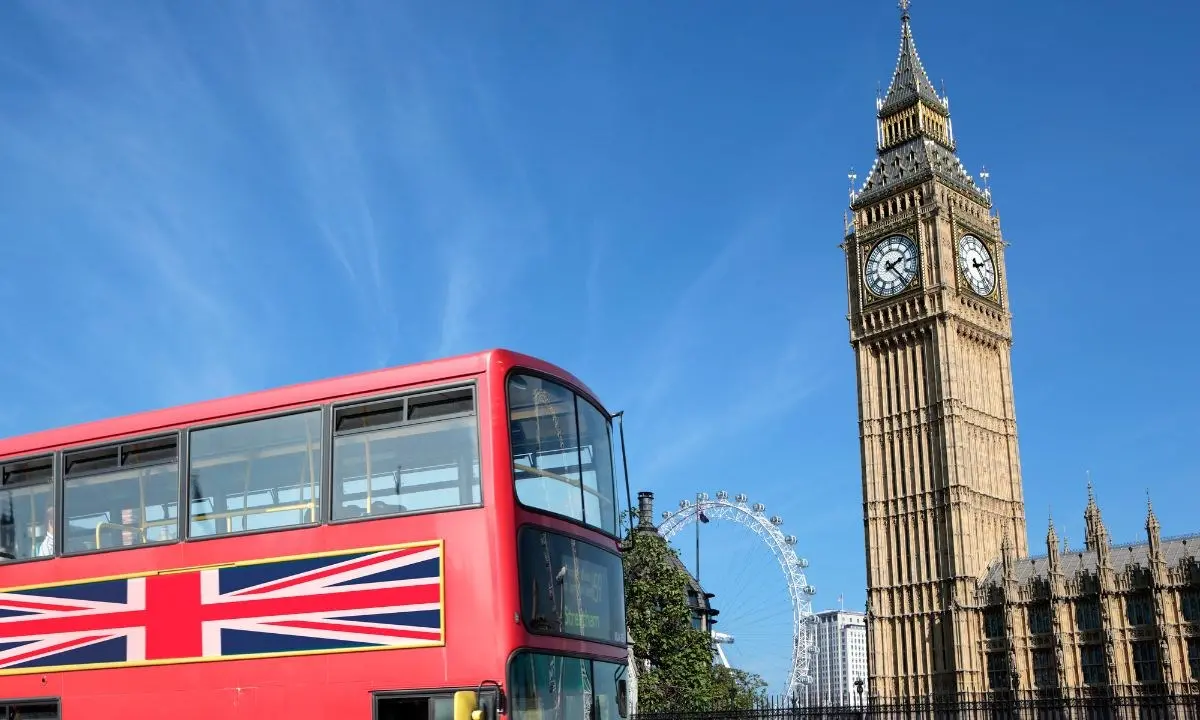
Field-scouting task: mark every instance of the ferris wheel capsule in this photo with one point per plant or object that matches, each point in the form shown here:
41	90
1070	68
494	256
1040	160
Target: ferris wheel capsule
758	507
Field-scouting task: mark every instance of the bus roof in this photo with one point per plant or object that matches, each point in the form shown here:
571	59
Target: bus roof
279	398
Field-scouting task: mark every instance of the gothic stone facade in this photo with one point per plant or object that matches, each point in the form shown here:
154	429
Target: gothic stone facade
1107	617
931	331
954	604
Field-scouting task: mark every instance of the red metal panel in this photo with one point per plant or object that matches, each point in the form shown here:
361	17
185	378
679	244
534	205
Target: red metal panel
481	596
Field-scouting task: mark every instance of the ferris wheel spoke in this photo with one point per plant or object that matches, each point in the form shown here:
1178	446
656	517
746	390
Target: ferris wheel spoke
741	577
767	530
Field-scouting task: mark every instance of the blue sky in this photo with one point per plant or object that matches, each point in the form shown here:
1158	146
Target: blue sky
200	199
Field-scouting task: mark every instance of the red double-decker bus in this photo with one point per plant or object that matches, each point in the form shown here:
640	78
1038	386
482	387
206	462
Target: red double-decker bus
438	540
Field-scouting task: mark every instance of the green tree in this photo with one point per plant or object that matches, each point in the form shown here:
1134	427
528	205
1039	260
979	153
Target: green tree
682	676
660	628
735	689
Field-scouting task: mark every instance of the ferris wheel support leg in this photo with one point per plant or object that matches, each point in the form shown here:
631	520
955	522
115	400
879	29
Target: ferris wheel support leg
721	654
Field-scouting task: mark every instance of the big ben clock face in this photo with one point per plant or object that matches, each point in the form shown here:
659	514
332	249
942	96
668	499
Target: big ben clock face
976	264
891	266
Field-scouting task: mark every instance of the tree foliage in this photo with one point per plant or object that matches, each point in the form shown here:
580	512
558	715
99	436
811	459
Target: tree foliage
735	689
681	676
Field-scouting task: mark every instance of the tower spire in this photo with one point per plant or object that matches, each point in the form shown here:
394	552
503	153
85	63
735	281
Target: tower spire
914	136
910	83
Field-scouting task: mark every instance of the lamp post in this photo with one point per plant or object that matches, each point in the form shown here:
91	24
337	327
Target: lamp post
858	687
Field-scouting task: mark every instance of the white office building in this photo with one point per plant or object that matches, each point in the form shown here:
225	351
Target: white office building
841	658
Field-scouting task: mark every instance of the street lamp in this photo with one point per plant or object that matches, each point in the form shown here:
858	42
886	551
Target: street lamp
858	686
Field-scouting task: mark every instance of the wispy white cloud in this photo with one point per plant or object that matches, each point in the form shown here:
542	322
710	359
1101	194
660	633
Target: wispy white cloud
711	372
764	389
686	330
458	305
306	93
207	196
487	237
365	108
597	289
122	141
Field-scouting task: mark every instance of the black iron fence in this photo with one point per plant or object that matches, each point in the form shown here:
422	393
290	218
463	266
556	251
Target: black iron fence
1134	705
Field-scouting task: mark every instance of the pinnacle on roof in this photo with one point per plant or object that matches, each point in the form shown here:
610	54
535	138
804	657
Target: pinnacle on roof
910	82
1096	534
1008	557
1092	509
1151	519
1052	549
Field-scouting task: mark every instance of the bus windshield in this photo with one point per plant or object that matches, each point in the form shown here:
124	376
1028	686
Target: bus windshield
562	452
570	587
554	686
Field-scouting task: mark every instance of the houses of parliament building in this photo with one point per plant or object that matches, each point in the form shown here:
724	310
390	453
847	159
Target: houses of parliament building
956	604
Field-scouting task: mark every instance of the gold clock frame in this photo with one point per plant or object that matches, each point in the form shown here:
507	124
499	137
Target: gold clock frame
867	246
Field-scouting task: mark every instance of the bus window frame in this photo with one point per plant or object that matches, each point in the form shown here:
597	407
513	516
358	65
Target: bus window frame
60	489
442	386
186	472
447	691
587	397
527	526
20	703
55	501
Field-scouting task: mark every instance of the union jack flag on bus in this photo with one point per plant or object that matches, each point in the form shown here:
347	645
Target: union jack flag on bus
357	599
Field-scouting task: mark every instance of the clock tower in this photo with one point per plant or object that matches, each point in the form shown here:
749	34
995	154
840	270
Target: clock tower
931	331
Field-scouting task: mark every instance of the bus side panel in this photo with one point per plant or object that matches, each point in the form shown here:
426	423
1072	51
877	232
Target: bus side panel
478	628
134	705
481	604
